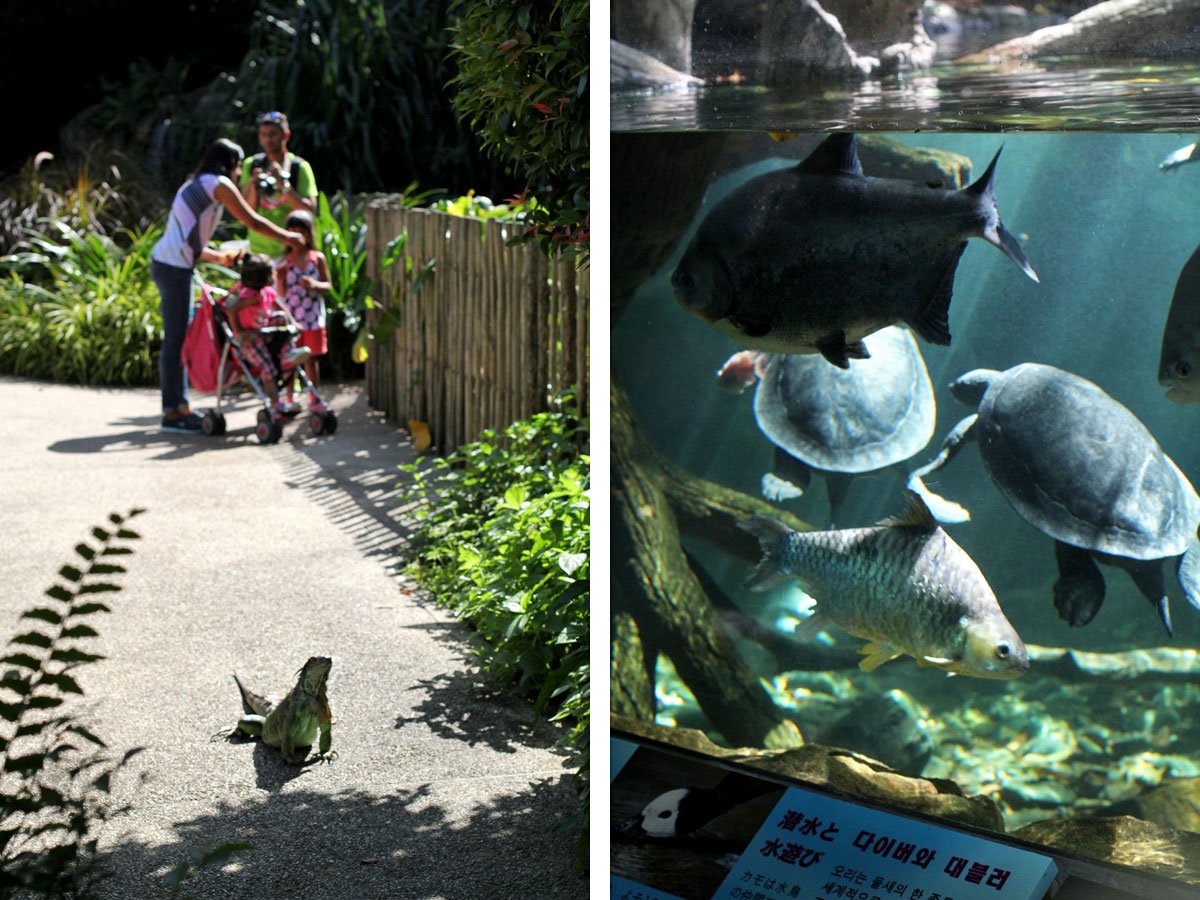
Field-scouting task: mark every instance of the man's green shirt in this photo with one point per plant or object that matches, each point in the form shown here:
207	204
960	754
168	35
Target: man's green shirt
276	210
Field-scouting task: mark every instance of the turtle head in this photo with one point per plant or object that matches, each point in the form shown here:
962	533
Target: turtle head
971	387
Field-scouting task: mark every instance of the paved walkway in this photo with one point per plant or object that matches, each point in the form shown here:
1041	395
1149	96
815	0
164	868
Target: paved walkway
252	559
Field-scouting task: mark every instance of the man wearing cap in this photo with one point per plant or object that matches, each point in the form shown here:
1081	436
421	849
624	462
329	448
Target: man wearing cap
276	181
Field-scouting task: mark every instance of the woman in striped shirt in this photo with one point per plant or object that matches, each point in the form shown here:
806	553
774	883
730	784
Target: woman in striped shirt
194	216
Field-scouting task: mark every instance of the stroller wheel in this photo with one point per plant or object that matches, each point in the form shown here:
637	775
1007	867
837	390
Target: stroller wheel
267	430
316	421
213	424
331	422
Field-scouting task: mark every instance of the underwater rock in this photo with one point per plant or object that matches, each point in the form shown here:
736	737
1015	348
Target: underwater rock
888	727
1114	29
1156	662
662	29
803	43
1123	841
854	773
1174	805
630	69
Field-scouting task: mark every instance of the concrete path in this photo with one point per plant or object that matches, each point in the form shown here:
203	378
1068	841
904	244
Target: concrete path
252	559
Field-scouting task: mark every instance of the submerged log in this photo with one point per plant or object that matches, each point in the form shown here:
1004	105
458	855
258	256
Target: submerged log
656	588
1116	28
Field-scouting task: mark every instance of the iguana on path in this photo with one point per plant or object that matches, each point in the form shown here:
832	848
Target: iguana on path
292	725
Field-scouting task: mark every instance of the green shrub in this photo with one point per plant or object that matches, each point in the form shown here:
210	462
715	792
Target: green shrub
57	774
79	307
502	540
522	83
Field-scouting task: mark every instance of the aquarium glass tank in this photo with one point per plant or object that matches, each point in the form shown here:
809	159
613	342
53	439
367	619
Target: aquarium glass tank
1071	489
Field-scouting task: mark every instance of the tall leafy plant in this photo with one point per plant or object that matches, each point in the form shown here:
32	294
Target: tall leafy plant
55	774
522	83
363	83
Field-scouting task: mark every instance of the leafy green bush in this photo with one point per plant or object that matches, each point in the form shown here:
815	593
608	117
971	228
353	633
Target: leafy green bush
363	84
503	541
79	306
56	773
522	83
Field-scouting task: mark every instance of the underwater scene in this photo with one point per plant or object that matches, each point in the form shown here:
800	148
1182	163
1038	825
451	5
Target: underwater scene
905	446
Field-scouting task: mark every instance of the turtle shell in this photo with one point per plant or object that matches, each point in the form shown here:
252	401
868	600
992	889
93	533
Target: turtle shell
1082	468
878	412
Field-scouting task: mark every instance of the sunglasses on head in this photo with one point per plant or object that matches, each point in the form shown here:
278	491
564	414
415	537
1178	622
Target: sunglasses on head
270	118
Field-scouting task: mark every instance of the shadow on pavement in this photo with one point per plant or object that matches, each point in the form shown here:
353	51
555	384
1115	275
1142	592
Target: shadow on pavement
353	475
356	845
461	706
144	434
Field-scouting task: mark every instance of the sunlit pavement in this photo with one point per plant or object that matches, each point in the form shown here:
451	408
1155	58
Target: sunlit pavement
252	559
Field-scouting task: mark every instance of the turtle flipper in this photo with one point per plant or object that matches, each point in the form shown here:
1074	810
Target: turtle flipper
1188	573
789	479
944	510
1148	576
1079	591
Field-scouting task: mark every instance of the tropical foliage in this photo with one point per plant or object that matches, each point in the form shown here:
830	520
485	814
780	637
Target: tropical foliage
522	83
503	526
78	306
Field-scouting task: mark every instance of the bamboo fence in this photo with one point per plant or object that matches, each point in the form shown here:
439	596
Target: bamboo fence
491	337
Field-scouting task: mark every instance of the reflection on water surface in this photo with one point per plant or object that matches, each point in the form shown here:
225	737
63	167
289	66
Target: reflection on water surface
1047	96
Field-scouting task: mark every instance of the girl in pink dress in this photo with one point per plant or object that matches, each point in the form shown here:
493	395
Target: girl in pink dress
302	279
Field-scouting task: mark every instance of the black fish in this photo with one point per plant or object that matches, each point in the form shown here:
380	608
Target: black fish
813	258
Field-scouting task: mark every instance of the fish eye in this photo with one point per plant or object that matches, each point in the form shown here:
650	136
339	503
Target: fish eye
665	814
1003	651
1182	369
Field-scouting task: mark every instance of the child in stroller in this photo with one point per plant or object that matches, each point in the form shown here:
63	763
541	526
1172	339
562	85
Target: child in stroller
238	340
259	324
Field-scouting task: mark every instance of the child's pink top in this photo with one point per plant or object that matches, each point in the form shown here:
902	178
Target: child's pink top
257	315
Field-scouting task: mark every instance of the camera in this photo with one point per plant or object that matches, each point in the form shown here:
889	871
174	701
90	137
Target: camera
268	185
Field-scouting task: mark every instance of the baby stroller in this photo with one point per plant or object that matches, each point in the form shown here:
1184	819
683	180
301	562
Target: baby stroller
215	364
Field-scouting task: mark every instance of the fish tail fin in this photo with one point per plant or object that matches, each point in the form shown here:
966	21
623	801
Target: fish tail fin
770	533
993	230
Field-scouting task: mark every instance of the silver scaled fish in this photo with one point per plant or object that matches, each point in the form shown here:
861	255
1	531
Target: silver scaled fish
813	258
903	585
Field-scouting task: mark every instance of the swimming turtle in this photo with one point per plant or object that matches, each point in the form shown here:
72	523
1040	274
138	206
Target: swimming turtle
841	422
1080	467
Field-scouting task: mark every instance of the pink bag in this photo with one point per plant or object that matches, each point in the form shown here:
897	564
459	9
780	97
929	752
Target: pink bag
200	353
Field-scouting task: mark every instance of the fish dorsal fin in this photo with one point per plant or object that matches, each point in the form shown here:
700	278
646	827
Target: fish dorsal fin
983	184
916	514
836	155
933	322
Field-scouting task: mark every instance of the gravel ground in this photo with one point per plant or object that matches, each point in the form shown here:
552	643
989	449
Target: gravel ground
251	560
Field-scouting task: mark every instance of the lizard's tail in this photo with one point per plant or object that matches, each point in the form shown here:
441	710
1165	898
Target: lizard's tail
252	702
